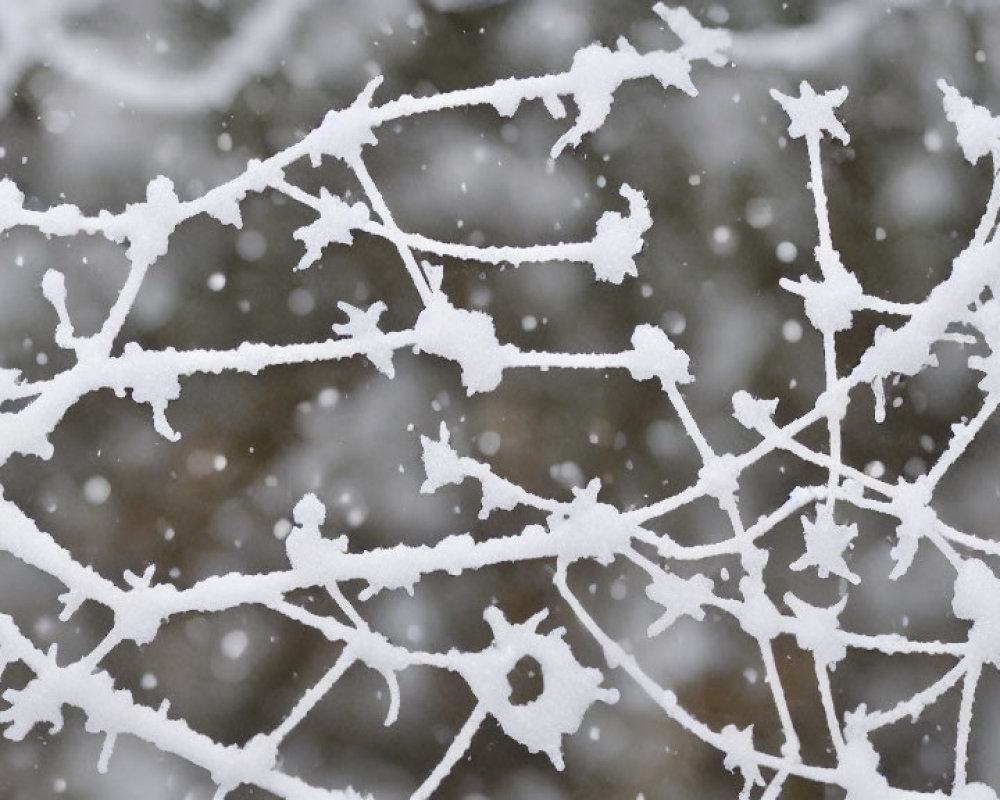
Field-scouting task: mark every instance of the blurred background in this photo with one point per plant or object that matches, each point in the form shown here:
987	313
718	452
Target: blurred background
101	97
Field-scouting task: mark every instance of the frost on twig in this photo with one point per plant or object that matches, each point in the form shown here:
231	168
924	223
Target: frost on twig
586	529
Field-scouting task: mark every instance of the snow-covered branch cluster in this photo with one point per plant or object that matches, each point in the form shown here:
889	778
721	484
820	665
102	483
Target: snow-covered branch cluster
963	308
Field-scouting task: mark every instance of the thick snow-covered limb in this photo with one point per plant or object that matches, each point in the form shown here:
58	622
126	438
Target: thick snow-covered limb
40	33
115	712
836	31
152	376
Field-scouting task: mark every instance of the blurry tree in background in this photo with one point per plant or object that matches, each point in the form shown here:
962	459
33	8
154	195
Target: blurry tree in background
99	98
